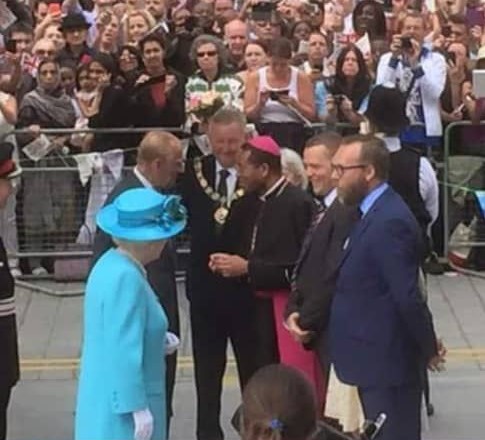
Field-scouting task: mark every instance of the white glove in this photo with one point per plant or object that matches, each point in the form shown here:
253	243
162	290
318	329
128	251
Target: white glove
143	424
172	343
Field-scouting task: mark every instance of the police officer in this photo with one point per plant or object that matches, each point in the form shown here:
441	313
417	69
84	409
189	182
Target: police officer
9	364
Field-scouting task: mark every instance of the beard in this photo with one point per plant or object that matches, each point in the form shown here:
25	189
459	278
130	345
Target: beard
353	194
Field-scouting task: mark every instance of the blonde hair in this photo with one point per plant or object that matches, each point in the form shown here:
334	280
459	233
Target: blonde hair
149	20
293	168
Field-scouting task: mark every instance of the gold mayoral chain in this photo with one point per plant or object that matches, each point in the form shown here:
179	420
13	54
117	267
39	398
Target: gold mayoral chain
221	213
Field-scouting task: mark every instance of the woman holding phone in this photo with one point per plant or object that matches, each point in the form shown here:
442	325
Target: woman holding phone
279	98
350	89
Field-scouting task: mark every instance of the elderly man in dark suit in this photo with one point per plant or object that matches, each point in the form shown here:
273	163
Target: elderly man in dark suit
381	331
315	274
221	219
159	162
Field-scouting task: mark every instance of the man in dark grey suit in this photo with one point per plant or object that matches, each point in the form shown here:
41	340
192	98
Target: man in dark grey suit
159	161
315	273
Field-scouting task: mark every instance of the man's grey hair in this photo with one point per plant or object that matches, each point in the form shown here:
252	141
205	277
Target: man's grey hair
209	39
229	115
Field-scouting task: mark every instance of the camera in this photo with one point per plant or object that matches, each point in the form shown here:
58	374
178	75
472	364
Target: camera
446	31
406	43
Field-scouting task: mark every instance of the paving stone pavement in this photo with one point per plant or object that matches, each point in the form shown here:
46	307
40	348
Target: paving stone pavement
50	329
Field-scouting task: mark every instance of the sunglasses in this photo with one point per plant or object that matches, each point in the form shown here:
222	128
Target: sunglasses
42	52
209	53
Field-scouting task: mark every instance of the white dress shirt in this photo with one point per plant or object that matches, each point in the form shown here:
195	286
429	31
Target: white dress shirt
230	181
145	182
330	198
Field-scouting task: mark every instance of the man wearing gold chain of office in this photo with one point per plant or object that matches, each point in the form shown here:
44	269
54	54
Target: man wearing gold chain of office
221	219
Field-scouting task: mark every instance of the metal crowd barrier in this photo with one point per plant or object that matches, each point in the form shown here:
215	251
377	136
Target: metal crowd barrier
52	220
463	176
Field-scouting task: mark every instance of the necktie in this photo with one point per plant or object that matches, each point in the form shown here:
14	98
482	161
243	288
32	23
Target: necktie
222	186
307	241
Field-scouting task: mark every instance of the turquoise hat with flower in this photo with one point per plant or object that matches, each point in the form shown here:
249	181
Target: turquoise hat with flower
143	214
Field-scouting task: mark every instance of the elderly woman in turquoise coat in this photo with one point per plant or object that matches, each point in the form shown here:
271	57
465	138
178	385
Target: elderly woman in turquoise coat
121	394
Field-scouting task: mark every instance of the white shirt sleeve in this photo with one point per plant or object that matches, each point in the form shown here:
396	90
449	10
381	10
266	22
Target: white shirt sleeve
428	188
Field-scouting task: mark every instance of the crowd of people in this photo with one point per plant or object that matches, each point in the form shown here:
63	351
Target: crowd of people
293	233
287	65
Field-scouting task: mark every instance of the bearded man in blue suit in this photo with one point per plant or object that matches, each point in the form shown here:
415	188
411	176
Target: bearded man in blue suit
381	331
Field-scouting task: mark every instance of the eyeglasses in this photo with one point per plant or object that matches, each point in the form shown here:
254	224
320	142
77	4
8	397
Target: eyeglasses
43	52
209	53
340	169
97	71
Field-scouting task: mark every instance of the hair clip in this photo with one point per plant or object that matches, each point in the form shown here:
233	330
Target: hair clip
276	425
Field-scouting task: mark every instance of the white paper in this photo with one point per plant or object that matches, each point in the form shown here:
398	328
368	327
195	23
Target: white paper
363	44
6	17
39	148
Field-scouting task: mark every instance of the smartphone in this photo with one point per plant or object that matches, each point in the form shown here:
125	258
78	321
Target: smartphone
451	56
415	5
372	430
275	94
311	8
479	83
317	68
262	11
54	9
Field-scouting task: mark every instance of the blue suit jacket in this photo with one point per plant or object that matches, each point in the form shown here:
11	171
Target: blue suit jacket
381	331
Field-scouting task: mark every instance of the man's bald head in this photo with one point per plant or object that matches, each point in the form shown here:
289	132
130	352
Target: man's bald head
159	158
44	49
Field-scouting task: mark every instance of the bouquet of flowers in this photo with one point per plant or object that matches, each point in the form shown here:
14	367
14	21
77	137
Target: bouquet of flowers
204	105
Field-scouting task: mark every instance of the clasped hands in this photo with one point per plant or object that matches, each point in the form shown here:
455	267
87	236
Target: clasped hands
228	265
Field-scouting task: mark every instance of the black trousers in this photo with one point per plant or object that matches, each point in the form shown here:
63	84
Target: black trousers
216	319
4	400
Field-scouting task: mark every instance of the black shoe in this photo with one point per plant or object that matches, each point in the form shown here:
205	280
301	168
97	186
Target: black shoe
433	267
430	409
